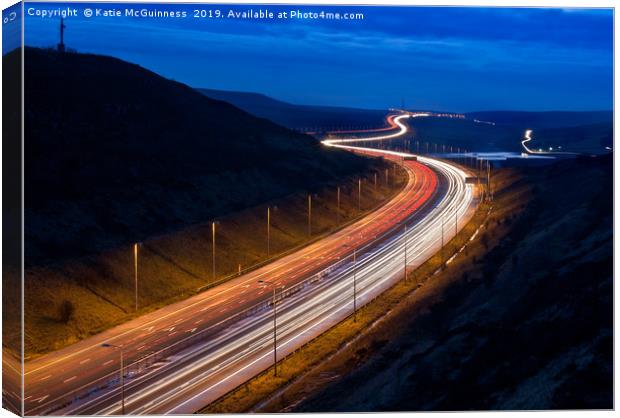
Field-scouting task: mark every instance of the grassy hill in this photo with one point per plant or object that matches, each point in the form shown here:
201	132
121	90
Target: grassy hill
591	138
299	116
116	153
466	134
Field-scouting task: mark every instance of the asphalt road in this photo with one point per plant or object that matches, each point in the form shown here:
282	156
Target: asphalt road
185	355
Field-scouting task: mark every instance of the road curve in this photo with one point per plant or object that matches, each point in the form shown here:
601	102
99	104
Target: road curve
186	355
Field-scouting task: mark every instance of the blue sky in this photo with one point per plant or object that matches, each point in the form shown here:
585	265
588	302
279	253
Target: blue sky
458	59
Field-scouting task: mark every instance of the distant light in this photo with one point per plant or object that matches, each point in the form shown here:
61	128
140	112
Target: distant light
550	148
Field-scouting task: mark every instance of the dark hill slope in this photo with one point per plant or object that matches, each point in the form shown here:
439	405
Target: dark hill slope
116	153
528	326
299	116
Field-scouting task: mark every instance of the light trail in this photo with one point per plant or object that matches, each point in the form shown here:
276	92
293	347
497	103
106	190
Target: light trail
528	137
208	368
403	129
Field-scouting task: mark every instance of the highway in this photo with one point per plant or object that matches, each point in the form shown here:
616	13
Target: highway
528	137
183	356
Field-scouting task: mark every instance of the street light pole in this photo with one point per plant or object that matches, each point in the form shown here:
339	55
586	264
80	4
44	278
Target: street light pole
135	271
338	206
309	215
405	251
122	373
359	195
456	222
213	247
442	222
354	280
275	325
354	284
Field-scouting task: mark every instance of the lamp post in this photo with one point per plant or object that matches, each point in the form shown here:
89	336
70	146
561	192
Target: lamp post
135	272
405	237
275	323
213	247
118	347
338	206
442	222
268	231
309	215
354	281
359	195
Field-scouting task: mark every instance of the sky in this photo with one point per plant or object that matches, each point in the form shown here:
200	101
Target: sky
438	58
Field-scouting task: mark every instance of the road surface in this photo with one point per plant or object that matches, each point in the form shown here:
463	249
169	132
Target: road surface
183	356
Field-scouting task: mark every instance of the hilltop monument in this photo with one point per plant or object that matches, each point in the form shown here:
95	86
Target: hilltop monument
61	45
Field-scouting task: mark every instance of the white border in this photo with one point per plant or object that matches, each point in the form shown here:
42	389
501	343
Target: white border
480	3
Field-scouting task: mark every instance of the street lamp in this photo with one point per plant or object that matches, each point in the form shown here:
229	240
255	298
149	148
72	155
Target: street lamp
442	222
405	237
354	281
359	195
213	247
275	324
268	231
338	206
118	347
309	215
135	271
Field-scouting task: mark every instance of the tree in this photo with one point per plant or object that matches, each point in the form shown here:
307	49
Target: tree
65	311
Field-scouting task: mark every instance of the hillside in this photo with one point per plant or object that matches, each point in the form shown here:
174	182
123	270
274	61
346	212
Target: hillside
116	153
539	120
591	138
528	324
466	134
484	137
299	116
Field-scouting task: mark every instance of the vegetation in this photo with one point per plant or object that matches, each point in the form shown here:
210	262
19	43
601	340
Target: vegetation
65	311
100	288
116	155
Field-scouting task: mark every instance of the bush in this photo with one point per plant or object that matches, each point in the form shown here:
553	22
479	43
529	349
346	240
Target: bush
65	311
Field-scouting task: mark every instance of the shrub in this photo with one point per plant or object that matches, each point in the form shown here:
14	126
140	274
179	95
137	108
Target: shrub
65	311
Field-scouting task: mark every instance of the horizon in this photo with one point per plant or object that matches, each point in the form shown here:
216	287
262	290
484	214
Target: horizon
455	59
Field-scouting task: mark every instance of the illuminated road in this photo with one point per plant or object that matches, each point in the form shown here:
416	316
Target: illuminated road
198	349
389	120
528	137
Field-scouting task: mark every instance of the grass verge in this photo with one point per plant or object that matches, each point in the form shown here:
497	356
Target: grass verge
71	301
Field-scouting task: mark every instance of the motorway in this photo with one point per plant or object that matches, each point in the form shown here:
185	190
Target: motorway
183	356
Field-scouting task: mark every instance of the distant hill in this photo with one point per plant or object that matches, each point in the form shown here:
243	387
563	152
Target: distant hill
592	138
539	120
299	116
115	153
